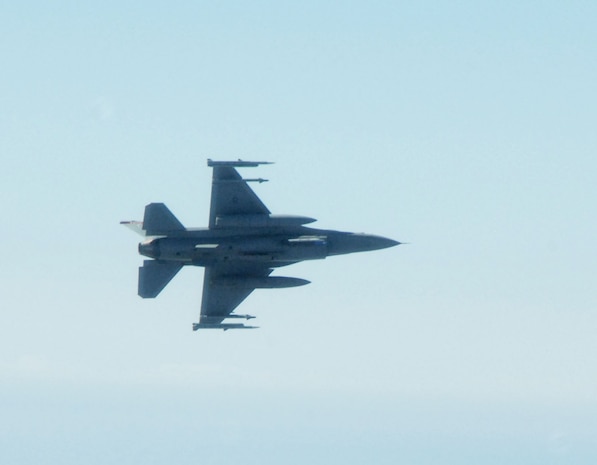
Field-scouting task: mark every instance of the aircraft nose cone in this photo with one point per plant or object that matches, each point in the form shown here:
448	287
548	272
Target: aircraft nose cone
384	242
349	243
379	242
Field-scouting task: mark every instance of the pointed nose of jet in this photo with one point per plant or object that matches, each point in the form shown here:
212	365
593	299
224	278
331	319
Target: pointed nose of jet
384	242
349	243
378	242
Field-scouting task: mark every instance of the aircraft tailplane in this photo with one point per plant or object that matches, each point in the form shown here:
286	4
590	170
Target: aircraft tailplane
159	220
154	276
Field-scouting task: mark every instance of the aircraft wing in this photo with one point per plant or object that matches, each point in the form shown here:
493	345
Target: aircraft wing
231	195
225	286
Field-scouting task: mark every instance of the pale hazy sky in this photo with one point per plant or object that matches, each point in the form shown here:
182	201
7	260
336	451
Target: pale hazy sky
465	128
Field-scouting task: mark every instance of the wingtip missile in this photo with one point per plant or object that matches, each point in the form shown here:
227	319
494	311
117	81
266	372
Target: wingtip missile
217	319
238	163
229	181
224	326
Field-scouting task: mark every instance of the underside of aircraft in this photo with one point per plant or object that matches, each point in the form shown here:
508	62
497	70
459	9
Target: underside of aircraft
243	244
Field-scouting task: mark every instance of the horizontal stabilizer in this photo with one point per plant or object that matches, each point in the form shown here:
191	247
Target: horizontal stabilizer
159	220
154	276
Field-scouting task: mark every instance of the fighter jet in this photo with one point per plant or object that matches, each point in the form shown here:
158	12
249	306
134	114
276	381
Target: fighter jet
239	250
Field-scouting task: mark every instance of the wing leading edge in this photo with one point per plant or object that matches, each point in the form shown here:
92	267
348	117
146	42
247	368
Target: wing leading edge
230	193
224	288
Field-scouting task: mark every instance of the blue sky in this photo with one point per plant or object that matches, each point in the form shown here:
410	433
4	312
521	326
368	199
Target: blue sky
464	128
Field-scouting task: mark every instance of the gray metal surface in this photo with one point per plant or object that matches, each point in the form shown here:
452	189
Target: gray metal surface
242	246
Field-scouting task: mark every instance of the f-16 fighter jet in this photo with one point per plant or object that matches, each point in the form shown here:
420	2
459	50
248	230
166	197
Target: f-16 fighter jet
240	249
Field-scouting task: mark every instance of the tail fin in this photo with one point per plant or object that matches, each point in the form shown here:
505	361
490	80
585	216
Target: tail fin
158	220
136	226
154	276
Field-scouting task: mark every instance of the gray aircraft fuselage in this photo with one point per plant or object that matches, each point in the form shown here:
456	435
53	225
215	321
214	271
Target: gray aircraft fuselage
239	250
271	246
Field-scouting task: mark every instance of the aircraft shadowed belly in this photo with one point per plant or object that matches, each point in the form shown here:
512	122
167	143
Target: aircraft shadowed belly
241	247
